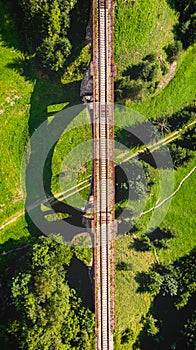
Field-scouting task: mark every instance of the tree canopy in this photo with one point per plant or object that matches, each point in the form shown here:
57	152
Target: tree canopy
50	315
46	23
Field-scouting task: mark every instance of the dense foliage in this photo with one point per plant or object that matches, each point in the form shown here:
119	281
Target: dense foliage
138	80
50	315
175	288
187	19
46	23
175	280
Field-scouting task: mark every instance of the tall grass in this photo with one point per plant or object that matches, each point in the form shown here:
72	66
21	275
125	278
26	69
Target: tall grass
142	27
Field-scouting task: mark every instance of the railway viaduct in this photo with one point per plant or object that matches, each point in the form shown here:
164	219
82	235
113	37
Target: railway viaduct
102	196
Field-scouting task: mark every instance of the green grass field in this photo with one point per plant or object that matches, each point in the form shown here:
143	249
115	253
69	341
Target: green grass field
14	114
180	219
142	27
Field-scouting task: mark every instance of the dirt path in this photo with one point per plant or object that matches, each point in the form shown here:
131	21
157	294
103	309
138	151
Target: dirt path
171	195
60	196
170	75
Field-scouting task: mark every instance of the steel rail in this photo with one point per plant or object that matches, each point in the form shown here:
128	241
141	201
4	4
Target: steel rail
103	173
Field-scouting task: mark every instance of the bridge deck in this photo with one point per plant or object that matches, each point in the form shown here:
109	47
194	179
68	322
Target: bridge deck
103	172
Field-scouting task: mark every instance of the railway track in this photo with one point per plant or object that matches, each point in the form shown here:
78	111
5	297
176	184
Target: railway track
103	173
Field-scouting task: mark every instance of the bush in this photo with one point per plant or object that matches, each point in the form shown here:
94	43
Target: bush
189	331
169	285
127	335
150	325
179	155
130	89
150	282
173	51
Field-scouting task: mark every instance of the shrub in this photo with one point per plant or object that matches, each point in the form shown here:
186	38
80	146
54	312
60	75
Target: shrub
129	89
169	285
127	335
150	325
180	155
189	331
150	282
173	51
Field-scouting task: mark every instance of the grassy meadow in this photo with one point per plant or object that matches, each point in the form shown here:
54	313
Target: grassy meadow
15	107
131	303
142	27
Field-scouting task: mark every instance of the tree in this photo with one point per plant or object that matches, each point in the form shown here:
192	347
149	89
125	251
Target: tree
169	285
185	272
50	314
150	282
127	335
187	20
49	41
180	155
128	88
189	331
150	325
173	51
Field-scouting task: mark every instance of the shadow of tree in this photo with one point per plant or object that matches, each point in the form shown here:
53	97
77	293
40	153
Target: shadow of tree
134	71
158	238
123	266
170	323
137	135
165	312
134	187
10	13
78	278
79	21
159	159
